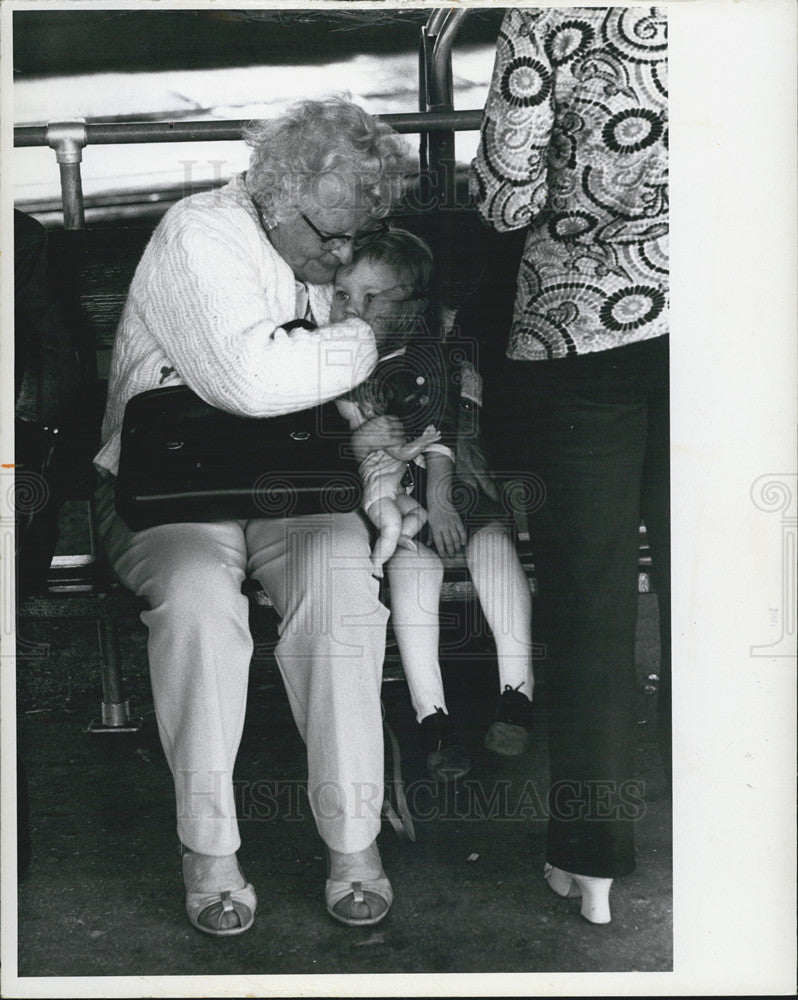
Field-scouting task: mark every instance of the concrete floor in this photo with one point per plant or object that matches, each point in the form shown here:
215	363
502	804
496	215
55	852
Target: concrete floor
103	894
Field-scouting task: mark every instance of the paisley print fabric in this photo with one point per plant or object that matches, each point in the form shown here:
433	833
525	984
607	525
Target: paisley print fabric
574	145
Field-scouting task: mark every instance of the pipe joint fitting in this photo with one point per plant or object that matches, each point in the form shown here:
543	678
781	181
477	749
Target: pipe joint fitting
67	139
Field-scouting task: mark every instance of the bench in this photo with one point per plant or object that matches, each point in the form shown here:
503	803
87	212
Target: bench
96	265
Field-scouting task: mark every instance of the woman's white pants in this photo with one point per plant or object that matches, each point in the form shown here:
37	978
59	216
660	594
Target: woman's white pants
316	570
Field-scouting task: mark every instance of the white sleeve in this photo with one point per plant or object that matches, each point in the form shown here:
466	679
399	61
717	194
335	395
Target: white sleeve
206	305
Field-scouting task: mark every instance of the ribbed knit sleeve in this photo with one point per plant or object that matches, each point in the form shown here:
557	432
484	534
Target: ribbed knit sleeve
215	302
206	308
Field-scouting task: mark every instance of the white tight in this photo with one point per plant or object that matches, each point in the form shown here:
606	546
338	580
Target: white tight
415	585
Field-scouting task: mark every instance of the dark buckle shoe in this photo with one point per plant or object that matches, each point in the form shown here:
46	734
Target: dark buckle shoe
509	734
446	758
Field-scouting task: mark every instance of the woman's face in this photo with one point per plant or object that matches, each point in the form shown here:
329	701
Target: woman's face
302	248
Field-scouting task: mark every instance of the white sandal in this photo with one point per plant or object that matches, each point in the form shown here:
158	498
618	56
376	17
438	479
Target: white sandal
206	910
358	904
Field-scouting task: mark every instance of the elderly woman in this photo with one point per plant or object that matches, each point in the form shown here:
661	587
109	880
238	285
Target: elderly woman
223	275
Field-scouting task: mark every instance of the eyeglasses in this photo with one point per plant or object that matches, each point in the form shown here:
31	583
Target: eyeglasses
334	241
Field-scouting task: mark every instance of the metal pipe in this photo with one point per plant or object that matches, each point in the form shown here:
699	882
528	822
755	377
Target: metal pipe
436	97
436	93
68	139
30	135
115	709
442	154
438	182
436	20
106	133
440	75
423	87
72	195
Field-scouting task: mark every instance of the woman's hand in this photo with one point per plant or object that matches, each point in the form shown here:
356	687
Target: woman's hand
446	528
394	316
377	434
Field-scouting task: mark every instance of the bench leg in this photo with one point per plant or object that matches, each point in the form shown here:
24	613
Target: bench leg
115	710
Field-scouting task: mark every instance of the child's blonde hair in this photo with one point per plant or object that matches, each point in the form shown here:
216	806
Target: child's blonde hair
404	251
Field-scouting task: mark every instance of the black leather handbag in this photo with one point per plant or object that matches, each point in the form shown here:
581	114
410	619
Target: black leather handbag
184	460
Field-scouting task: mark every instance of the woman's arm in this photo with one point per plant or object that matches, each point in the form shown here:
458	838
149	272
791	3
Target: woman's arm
214	299
508	178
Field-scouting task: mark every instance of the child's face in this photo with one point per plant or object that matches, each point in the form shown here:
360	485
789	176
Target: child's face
356	285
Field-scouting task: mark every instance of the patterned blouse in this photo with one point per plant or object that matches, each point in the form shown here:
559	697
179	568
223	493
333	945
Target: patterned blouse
574	145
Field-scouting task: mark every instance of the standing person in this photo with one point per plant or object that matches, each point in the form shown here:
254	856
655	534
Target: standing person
224	274
574	146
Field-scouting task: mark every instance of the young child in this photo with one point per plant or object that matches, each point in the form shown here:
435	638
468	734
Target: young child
413	381
397	257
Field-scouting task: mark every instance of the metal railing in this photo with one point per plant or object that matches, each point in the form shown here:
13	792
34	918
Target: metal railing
437	121
436	97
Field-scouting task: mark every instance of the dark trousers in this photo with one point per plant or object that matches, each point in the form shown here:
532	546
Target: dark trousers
590	435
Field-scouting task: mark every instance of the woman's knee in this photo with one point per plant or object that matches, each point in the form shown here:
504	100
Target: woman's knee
195	587
342	537
330	581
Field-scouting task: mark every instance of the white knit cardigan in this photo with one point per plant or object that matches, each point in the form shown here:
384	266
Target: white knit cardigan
205	309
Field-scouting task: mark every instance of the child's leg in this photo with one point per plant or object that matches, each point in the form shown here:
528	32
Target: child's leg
414	517
386	517
415	579
504	594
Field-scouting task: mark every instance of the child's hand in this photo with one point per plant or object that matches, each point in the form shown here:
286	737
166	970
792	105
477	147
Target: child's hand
446	528
377	434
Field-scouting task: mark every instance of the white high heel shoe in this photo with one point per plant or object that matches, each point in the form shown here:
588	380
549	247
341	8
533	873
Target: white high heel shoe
595	892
